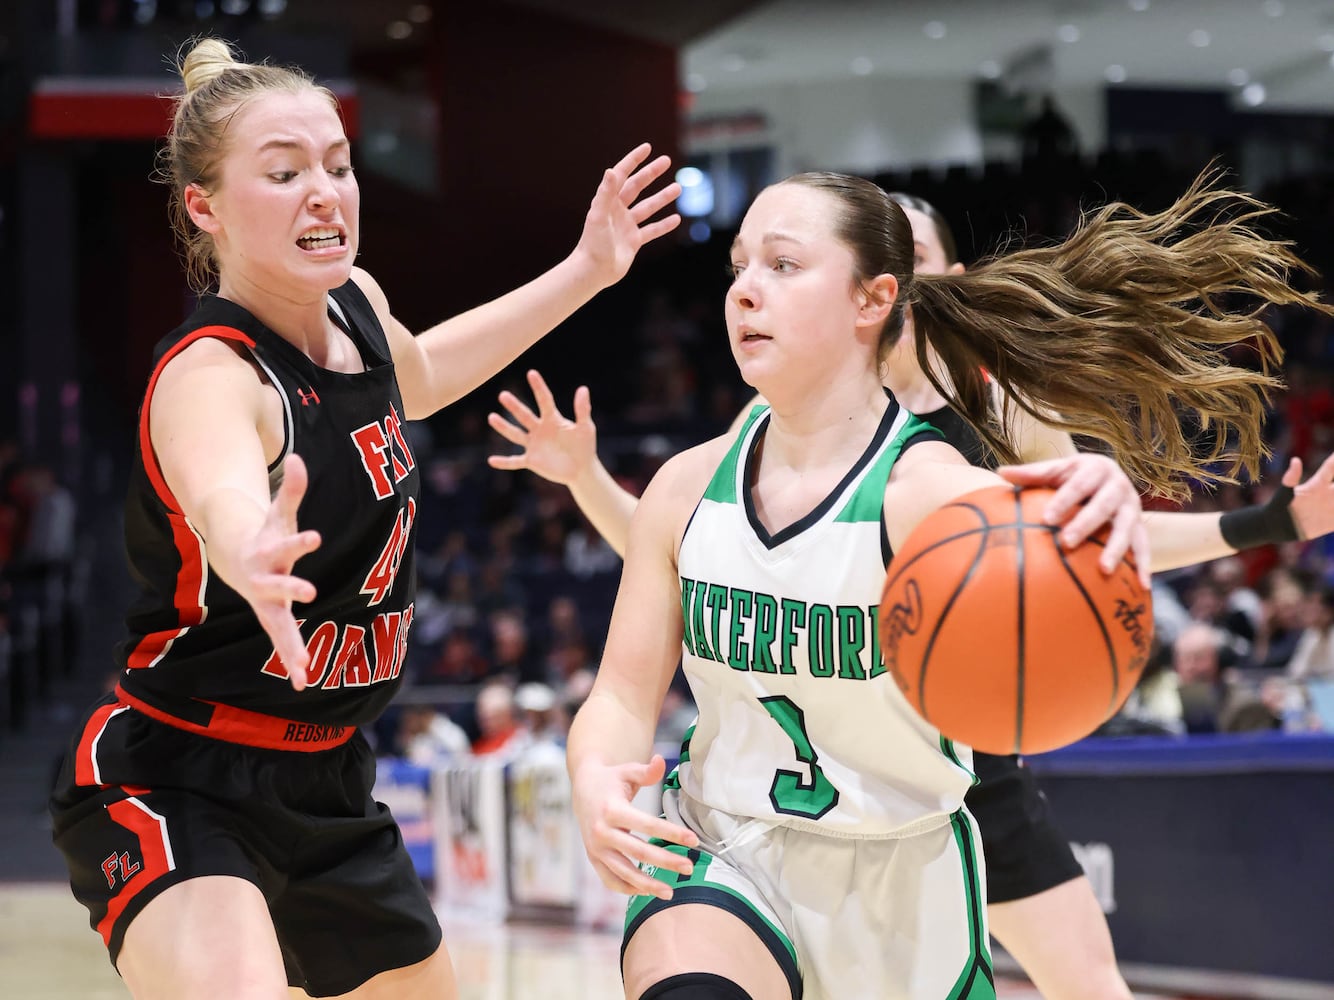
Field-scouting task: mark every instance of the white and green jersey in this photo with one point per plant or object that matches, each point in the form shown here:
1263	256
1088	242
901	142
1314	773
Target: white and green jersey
800	722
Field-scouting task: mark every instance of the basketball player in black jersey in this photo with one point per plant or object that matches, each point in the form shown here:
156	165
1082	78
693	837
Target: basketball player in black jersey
215	810
1040	906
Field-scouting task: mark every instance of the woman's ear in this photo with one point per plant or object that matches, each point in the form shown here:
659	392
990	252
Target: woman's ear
877	299
199	205
955	268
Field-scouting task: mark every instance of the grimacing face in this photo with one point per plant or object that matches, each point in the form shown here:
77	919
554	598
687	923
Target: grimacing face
284	213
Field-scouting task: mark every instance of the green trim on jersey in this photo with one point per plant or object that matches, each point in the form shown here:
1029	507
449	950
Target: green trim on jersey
947	748
976	981
698	879
865	504
722	487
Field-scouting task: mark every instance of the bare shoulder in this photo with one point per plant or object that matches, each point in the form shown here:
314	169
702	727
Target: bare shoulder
686	475
210	360
928	475
372	290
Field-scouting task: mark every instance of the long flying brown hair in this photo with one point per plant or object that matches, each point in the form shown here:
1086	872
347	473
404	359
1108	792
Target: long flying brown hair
1118	333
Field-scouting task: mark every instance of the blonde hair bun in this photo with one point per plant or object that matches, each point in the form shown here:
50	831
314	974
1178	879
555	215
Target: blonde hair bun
204	63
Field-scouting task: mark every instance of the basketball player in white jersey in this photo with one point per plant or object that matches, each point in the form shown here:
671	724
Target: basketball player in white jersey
1040	906
815	842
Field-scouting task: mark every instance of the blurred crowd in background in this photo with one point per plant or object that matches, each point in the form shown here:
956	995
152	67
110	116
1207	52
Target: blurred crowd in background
515	587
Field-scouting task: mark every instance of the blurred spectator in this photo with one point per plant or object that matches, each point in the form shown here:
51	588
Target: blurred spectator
497	588
1210	702
564	624
49	539
459	662
512	656
567	659
544	721
1313	656
427	736
1207	604
1284	598
1243	605
1048	138
497	722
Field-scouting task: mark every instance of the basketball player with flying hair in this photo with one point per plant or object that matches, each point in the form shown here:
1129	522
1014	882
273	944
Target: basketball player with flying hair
814	841
1039	904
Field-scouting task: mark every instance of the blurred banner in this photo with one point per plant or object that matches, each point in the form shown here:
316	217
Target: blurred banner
545	851
468	822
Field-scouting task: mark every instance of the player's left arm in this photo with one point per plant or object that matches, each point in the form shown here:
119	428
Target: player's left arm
1298	510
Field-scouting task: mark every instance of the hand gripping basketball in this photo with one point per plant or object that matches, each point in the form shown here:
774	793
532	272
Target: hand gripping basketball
1001	638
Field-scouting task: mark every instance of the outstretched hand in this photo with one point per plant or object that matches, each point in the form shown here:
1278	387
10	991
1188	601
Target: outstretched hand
1107	496
269	586
617	224
555	447
1312	501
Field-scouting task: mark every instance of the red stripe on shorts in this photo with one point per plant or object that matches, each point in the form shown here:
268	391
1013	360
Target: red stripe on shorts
154	855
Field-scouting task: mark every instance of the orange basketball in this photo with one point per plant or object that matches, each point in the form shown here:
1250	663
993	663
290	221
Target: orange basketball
1000	638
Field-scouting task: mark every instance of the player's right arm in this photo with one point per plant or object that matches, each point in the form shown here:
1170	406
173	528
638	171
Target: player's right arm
564	451
205	419
612	735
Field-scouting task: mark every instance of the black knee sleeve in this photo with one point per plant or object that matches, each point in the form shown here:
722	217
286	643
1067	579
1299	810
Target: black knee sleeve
695	986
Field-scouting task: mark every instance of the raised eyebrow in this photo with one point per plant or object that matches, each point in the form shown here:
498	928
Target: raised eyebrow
771	237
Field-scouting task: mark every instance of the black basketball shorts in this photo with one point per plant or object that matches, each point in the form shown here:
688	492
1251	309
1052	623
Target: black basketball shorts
140	806
1025	851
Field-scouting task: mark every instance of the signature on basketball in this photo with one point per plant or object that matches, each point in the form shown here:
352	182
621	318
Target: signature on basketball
1131	618
902	619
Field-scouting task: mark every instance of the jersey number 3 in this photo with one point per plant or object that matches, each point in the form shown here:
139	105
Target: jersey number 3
791	793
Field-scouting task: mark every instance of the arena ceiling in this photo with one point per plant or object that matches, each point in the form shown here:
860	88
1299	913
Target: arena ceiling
1286	46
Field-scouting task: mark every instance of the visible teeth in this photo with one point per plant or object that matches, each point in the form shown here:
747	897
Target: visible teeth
320	239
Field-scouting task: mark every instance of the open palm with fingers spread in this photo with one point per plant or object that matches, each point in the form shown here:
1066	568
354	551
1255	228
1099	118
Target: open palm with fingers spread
617	223
269	584
554	446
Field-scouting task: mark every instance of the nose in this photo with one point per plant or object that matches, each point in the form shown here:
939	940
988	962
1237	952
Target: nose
323	193
742	291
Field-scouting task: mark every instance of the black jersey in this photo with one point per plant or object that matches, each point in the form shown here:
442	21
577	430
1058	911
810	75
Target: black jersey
196	655
960	433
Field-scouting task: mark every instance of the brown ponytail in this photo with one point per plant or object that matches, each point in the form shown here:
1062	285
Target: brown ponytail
1118	333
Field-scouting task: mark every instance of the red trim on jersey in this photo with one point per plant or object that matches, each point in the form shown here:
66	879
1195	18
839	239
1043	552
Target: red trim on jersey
85	764
150	829
254	729
189	595
145	441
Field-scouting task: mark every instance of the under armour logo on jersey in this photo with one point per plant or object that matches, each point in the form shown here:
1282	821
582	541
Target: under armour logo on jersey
308	396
